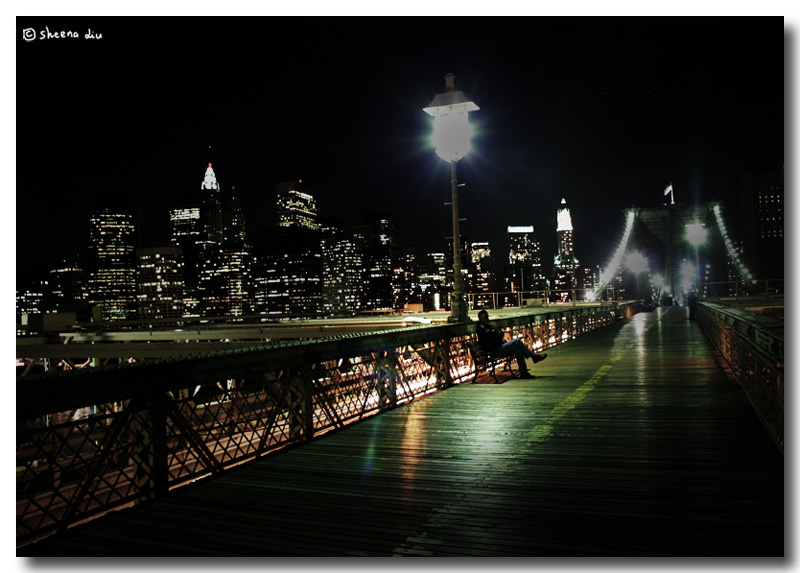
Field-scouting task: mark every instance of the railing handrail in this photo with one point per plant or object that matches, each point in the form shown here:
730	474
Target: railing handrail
39	394
752	347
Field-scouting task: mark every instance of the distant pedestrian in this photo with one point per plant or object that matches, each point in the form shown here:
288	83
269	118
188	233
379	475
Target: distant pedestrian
692	303
492	340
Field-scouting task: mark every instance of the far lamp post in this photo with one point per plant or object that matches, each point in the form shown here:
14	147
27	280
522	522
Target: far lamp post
451	137
696	234
637	264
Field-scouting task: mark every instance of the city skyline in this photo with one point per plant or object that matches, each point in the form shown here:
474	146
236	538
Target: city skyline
567	110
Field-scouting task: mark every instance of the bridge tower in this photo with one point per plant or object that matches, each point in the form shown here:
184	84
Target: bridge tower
686	244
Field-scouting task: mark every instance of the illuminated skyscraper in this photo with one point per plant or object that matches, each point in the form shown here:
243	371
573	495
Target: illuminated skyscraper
763	209
197	227
524	260
112	263
211	207
296	208
374	240
289	266
230	291
484	279
187	234
159	282
342	273
68	286
565	264
565	259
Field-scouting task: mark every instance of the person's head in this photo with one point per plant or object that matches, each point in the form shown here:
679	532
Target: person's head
483	316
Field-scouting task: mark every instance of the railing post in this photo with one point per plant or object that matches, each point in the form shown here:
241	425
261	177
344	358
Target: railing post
148	435
158	417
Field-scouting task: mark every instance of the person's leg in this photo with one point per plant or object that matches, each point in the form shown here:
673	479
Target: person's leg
517	349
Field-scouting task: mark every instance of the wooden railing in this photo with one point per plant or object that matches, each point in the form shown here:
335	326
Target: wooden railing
97	439
752	346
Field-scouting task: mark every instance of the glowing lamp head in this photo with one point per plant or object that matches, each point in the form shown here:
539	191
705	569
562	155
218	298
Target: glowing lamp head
636	262
696	233
452	132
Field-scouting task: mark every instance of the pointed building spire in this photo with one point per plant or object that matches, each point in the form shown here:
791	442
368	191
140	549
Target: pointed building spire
564	218
210	179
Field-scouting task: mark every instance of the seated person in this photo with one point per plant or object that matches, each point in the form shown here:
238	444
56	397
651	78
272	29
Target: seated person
492	340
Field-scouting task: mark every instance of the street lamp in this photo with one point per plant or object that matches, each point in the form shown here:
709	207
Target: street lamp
696	234
451	138
637	264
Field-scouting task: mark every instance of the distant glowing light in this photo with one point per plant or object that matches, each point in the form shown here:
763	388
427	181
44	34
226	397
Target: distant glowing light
696	233
688	269
636	262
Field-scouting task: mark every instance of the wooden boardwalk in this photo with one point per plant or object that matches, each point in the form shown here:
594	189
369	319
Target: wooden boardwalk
631	441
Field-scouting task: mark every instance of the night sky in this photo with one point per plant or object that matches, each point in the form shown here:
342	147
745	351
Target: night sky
602	111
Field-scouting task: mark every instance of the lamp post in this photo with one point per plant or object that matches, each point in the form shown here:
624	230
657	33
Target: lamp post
451	138
637	264
696	234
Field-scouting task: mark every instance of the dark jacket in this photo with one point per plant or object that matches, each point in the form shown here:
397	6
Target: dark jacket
489	337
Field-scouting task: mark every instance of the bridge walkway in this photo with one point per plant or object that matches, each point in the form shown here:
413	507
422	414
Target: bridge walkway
631	441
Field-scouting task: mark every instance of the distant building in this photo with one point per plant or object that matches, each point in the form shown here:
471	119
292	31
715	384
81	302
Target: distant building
483	279
296	208
187	234
432	281
289	265
68	286
343	273
231	291
112	263
211	207
406	289
377	245
159	282
763	208
524	260
289	273
565	264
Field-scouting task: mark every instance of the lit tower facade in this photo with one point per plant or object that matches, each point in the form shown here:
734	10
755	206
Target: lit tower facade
342	273
374	240
231	292
111	263
187	234
763	208
289	258
159	281
68	285
484	280
524	260
296	208
211	207
565	264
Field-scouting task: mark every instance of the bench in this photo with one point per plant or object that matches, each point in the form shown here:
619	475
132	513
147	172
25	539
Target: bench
485	362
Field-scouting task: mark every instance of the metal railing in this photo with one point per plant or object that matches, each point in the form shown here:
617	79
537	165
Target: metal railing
752	346
92	440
